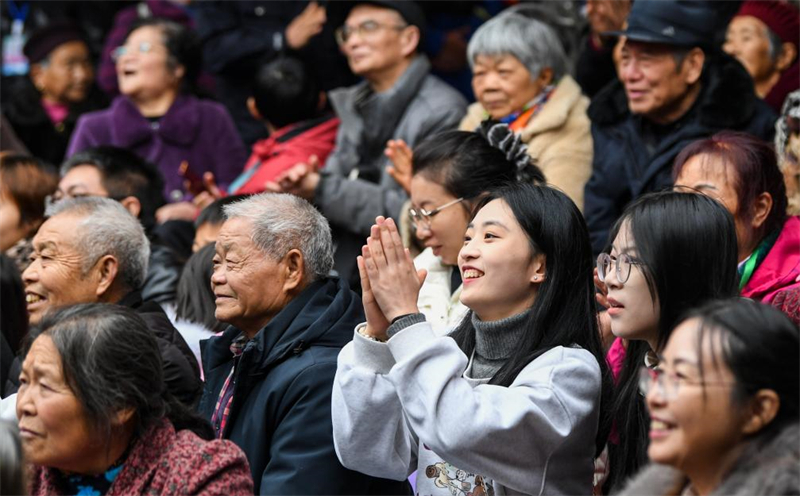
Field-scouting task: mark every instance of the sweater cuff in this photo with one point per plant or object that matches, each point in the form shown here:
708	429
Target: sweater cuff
406	321
372	355
410	340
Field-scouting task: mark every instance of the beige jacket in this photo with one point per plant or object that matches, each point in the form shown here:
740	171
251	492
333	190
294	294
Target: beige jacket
559	138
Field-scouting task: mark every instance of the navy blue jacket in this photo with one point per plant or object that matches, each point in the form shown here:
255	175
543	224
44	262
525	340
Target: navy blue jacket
281	410
623	168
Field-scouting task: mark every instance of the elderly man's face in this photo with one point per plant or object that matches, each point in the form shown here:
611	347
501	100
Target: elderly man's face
248	284
655	85
83	180
55	275
377	47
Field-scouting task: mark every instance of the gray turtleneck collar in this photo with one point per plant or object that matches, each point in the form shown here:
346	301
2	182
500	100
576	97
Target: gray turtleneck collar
495	342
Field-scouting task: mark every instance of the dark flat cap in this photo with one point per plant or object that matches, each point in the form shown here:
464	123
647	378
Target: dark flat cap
672	22
45	40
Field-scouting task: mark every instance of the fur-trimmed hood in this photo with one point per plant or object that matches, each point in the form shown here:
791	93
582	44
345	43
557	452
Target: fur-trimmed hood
771	468
724	81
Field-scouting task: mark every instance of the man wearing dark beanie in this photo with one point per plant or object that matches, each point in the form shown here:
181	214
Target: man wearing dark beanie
44	107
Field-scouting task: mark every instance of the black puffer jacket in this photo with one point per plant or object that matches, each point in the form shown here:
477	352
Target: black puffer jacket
624	169
281	409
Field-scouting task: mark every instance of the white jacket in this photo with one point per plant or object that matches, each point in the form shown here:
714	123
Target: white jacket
441	307
409	404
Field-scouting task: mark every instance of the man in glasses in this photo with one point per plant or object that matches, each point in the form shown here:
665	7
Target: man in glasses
398	99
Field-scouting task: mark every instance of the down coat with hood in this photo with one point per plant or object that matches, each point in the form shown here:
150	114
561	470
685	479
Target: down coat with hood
624	169
281	410
764	468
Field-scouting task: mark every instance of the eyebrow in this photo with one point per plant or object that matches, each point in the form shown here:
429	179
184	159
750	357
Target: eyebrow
489	223
44	245
626	249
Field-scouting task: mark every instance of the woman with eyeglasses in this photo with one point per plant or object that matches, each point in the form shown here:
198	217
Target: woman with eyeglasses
157	118
515	400
451	171
670	252
724	405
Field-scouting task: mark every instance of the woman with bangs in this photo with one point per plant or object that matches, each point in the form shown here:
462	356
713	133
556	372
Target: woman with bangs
670	252
515	400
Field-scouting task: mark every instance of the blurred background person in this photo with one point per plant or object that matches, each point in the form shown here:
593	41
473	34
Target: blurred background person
25	183
595	67
13	476
96	417
44	107
156	118
724	416
787	146
519	76
764	36
742	172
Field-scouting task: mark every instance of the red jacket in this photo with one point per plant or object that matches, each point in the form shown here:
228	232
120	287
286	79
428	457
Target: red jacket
775	280
164	462
286	148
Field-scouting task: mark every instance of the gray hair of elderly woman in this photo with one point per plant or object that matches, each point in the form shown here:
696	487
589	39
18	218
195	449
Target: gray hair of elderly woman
106	228
282	222
532	42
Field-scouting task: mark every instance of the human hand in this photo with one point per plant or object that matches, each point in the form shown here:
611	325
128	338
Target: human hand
305	26
393	279
211	194
176	211
300	180
602	295
400	154
377	323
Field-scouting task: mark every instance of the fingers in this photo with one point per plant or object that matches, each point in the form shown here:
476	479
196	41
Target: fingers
389	250
375	248
210	184
421	275
362	270
313	163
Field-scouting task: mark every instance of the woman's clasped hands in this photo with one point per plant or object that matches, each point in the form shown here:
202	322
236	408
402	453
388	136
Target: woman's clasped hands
390	283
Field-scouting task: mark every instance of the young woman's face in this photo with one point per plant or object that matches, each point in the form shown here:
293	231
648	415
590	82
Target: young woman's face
445	233
695	422
634	313
497	265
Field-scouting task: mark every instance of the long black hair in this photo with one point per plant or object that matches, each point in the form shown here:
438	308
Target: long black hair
687	242
564	312
111	361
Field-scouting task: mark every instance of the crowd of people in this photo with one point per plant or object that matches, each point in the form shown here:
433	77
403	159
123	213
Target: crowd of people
271	247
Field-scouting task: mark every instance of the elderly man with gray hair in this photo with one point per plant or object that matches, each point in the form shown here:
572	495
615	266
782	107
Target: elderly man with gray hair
91	250
519	76
269	376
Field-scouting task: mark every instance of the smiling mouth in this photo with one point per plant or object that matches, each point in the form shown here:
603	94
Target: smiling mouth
33	298
472	274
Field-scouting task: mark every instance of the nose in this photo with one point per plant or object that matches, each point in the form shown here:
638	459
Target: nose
421	231
629	70
25	405
218	276
468	252
611	279
656	396
730	47
31	273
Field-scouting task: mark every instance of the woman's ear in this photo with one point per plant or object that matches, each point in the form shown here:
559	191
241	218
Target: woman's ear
545	77
123	416
763	408
786	57
761	209
539	268
179	72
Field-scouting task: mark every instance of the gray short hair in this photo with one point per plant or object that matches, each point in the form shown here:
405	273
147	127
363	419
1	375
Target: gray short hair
282	222
532	42
107	228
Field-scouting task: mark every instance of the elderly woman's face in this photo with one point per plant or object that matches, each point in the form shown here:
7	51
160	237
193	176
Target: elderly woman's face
747	40
503	85
52	422
713	177
695	423
55	276
142	69
67	75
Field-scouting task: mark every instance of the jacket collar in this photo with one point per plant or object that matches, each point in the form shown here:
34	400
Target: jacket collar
556	111
724	80
179	125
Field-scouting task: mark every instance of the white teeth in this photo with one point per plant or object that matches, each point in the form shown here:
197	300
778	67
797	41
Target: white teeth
472	274
32	298
658	425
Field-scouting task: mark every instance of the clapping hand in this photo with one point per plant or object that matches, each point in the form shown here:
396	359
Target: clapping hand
393	281
300	180
400	154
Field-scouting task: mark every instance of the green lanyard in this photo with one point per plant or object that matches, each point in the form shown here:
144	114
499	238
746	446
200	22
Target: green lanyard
756	258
